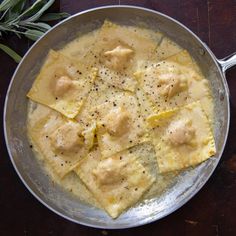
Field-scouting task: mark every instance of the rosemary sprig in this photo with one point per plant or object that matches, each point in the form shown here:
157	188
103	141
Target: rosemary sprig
10	52
24	19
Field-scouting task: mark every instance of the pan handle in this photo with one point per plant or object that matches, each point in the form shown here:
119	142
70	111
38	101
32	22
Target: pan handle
227	62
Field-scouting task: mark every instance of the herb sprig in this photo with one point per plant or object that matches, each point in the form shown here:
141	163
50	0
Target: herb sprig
24	19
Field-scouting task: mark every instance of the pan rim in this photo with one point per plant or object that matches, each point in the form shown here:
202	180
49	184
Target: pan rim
149	219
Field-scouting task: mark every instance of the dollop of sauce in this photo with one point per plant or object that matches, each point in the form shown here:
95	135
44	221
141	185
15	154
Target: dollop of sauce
171	84
117	122
67	138
118	57
180	132
108	172
62	85
72	71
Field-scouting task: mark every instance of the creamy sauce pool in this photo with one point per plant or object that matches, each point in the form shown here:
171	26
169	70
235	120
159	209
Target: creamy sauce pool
71	182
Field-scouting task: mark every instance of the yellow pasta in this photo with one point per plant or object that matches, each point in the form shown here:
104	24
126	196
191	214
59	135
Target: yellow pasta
182	137
119	124
117	182
62	84
62	143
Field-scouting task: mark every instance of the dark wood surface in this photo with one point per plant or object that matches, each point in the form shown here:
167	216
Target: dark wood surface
211	212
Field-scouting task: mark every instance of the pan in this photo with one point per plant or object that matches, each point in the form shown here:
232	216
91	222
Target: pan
184	186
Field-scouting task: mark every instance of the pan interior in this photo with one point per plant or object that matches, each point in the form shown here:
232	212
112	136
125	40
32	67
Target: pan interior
29	169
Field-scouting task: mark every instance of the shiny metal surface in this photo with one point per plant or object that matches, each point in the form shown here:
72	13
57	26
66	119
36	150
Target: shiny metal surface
185	186
227	62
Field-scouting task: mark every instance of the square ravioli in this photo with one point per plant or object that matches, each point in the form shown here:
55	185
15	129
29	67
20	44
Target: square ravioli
119	124
116	51
175	82
117	182
182	137
62	84
62	143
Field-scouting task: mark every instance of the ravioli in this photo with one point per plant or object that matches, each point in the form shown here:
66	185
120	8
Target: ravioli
62	84
165	84
182	137
119	124
142	43
117	182
175	82
62	143
116	52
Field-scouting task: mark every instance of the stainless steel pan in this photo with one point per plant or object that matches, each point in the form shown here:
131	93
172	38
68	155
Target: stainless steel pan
185	186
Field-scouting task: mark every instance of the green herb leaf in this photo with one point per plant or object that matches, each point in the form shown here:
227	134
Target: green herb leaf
4	14
11	53
36	10
18	35
2	28
41	11
34	34
6	4
18	17
54	16
15	11
38	26
32	9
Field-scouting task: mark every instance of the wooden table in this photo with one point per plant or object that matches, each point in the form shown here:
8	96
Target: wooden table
211	212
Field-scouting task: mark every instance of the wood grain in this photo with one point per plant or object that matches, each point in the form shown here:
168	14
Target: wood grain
211	212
